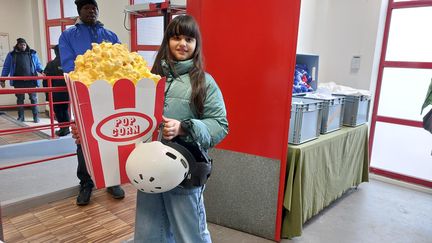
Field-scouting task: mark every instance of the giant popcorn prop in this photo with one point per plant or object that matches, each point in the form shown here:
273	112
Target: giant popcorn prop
117	103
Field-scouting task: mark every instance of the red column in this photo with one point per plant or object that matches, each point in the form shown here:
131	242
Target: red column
249	49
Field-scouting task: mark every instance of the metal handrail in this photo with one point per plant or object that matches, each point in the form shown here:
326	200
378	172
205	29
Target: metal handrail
50	103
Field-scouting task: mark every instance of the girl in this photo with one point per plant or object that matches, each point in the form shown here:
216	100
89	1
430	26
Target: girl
193	101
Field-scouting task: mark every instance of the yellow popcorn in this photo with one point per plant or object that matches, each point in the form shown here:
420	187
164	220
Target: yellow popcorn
110	62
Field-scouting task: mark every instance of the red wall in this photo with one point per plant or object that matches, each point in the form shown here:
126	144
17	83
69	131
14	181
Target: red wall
250	49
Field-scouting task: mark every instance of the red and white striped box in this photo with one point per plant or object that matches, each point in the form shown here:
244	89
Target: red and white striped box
111	119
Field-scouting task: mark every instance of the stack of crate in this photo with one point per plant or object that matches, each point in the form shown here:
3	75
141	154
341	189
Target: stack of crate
313	113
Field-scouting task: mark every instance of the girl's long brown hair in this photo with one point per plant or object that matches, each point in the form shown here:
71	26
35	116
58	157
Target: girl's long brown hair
185	25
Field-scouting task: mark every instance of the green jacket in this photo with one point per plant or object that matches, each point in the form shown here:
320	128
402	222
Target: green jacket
213	126
428	99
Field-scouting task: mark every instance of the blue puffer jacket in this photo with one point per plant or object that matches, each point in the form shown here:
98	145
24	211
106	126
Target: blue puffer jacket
9	65
77	39
212	127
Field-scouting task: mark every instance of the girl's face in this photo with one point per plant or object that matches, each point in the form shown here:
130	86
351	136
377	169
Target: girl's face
182	47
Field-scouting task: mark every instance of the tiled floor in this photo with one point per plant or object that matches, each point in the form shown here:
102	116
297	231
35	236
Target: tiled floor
103	220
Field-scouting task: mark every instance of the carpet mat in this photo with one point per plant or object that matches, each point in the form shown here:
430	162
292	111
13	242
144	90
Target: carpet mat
8	122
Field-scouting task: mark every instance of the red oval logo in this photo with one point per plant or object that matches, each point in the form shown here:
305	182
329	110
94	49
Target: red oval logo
124	126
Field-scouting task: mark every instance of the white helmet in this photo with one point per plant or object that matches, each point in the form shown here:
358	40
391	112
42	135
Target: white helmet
155	167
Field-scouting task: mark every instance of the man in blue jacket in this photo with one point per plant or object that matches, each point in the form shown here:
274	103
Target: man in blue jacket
23	61
75	41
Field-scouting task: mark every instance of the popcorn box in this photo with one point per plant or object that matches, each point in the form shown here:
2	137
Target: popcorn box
111	119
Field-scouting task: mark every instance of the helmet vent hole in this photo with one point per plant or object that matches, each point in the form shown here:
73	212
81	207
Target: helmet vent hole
171	155
151	179
185	174
184	163
141	177
158	187
136	181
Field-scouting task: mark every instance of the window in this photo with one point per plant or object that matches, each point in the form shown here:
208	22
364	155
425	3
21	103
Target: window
59	15
404	77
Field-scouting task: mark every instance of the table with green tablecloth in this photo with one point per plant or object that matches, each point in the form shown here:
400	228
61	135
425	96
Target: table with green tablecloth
320	171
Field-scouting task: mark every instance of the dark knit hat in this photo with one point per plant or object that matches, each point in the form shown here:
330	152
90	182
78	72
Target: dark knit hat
81	3
21	40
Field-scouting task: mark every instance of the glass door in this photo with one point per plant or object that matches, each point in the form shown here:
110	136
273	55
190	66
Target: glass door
400	147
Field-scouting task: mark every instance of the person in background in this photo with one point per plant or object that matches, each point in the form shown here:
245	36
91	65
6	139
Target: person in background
193	104
61	111
75	41
427	119
23	61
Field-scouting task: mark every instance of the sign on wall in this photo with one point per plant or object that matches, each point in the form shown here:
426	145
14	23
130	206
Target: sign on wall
4	47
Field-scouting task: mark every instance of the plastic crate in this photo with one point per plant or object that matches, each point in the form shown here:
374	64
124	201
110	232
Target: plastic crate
356	111
305	120
332	113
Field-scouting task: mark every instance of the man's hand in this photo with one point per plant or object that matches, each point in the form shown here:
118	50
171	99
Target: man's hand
3	84
75	134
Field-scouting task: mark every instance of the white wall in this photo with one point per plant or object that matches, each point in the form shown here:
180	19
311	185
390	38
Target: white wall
25	18
17	20
112	16
337	30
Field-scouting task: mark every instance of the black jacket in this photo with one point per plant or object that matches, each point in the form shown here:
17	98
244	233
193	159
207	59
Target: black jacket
53	68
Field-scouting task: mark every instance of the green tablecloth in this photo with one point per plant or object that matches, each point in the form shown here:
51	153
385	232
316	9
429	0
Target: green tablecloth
320	171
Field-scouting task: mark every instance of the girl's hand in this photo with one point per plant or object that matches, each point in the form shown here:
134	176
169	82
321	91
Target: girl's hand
171	128
75	134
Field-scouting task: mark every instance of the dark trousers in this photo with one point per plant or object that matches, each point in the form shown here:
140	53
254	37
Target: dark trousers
82	173
62	112
20	101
